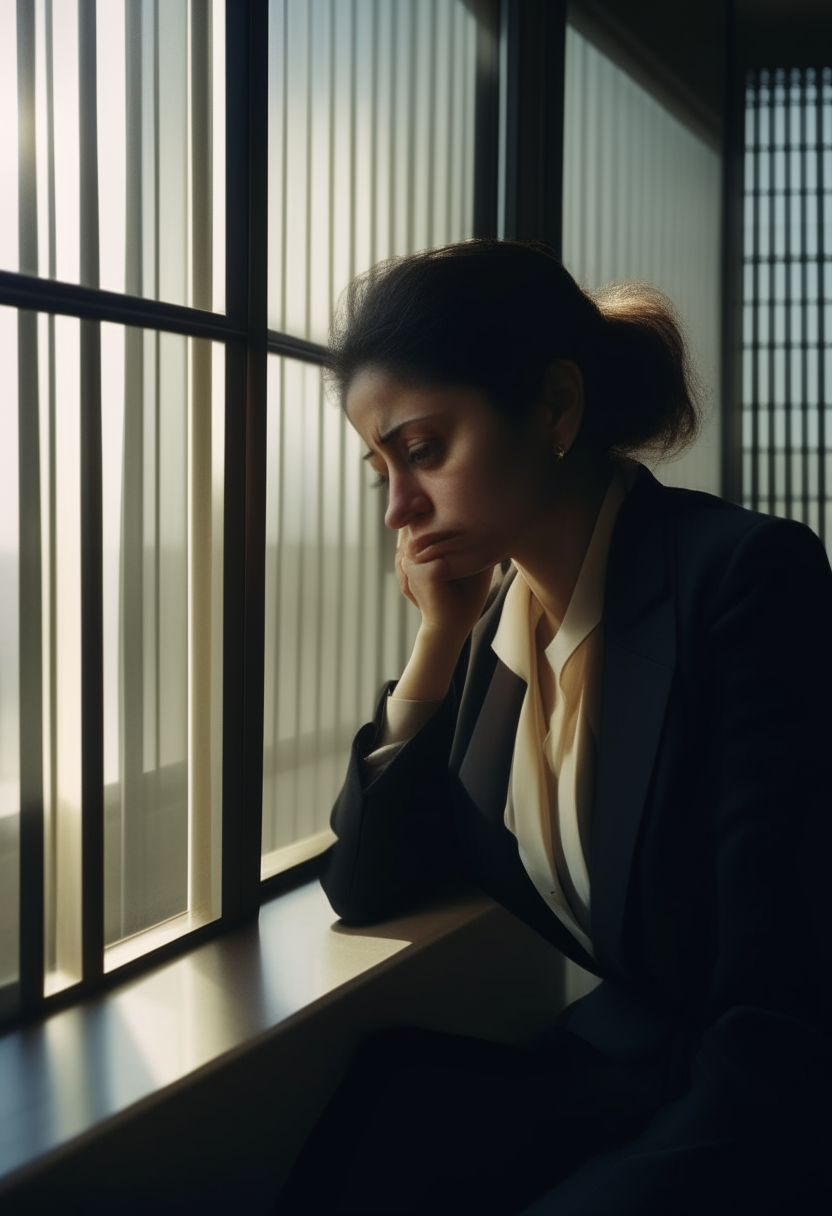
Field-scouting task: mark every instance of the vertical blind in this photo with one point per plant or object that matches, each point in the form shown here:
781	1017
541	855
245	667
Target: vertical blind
371	154
787	311
642	200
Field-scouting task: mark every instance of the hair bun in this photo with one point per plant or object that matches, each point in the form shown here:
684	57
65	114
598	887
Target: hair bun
642	385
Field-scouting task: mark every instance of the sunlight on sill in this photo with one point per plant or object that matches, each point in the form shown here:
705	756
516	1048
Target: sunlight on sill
58	981
293	854
133	947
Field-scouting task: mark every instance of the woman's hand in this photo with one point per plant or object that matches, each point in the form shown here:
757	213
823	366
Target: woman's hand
450	608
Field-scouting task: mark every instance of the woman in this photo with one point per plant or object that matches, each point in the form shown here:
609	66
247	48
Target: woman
615	718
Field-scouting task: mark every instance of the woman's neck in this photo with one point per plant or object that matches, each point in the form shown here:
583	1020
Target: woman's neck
553	550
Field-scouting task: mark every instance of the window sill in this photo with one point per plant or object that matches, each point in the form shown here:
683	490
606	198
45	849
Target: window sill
214	1065
97	1066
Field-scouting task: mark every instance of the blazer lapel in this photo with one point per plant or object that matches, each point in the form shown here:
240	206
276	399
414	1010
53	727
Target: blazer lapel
482	662
486	766
487	723
638	666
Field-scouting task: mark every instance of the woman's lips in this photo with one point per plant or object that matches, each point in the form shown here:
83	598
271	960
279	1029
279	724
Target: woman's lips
424	547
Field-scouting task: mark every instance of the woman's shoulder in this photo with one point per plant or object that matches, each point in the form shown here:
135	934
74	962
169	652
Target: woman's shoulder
720	556
705	523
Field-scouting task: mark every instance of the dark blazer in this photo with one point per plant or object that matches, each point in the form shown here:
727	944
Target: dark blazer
710	840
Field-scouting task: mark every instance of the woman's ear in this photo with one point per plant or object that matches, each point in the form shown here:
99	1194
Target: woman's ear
563	400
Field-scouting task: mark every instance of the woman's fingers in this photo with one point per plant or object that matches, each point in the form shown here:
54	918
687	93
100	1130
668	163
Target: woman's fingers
448	605
404	583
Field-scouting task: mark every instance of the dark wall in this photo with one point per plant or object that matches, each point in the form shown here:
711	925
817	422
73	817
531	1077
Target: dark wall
772	33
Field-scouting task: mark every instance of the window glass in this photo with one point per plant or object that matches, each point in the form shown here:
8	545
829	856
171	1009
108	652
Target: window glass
371	143
162	490
337	625
371	154
150	220
642	200
162	427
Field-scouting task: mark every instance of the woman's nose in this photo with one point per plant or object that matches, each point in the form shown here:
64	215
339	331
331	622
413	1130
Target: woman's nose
406	500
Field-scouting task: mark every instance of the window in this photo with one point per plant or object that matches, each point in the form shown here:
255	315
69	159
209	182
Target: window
787	312
112	207
197	589
185	189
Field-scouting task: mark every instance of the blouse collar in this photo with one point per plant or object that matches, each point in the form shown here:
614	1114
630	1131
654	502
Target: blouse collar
522	611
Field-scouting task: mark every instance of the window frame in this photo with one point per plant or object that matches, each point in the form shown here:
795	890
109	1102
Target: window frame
517	193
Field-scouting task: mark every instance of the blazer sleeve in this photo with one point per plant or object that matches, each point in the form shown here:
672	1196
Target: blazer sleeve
395	840
745	1134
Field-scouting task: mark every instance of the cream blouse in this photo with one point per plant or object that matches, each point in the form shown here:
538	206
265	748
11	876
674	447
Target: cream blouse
552	783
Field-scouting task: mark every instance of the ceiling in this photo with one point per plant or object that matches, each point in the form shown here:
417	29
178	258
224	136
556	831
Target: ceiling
678	48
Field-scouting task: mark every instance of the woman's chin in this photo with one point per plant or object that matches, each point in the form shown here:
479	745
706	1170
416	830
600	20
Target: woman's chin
464	565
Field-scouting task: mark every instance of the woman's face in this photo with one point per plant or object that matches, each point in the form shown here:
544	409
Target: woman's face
464	481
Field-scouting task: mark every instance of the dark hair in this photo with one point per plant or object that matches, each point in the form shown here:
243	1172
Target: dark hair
493	314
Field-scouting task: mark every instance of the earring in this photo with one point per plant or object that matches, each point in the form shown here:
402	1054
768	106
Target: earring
560	452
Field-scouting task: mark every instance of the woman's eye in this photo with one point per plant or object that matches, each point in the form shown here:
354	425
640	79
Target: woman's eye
421	453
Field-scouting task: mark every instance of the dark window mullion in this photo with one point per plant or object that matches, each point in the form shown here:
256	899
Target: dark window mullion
245	447
802	354
756	80
486	119
822	78
788	253
799	268
80	300
295	348
256	408
733	296
775	82
92	623
31	924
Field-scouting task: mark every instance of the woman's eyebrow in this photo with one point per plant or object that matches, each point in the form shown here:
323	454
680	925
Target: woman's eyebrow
394	430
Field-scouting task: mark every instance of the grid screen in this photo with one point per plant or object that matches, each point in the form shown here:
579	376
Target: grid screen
787	309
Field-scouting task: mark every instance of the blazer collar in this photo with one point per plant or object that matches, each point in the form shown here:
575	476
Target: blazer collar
639	661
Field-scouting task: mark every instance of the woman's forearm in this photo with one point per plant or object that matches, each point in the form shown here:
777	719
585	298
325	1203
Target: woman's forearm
427	676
